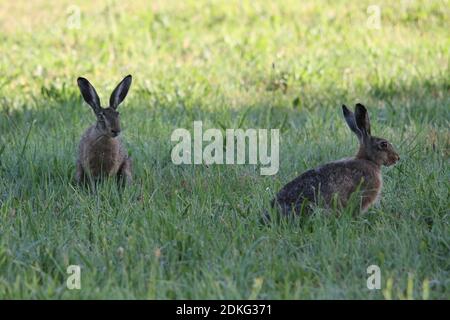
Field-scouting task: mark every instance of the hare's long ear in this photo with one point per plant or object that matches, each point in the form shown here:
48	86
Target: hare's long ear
120	92
89	94
362	119
350	119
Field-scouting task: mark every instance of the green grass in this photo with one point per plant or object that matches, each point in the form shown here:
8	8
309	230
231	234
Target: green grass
195	231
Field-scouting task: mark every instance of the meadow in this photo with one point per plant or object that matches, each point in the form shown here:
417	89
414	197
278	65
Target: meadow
194	231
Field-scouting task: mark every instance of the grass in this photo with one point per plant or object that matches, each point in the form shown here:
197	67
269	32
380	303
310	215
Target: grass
194	232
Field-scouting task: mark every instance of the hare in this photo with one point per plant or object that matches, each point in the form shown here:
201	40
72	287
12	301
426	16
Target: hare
101	152
339	179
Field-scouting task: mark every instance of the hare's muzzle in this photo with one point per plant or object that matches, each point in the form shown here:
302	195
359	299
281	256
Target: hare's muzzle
393	159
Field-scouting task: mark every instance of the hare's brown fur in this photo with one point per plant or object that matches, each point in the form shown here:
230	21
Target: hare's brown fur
340	179
101	153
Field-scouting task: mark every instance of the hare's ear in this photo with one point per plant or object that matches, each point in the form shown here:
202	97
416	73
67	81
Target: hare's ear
89	94
120	92
350	119
362	119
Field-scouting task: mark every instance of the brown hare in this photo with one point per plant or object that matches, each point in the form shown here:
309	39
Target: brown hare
339	179
101	152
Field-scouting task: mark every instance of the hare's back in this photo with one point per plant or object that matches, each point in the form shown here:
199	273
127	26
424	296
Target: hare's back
340	177
302	187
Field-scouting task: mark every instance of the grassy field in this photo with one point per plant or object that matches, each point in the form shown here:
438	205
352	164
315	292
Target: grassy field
194	232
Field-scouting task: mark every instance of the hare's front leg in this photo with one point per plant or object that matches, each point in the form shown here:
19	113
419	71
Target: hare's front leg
81	176
124	175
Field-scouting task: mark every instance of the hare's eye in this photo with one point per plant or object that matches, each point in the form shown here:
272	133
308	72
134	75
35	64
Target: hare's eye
383	145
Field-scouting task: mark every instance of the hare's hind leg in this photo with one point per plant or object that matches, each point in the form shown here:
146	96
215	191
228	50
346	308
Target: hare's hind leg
124	175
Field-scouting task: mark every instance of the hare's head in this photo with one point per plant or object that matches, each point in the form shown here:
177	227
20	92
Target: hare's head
108	122
372	148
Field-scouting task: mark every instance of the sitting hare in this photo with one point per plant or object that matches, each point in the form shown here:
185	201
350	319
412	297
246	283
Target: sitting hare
339	179
101	152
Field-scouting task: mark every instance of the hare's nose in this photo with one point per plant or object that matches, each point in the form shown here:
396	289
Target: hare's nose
115	132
